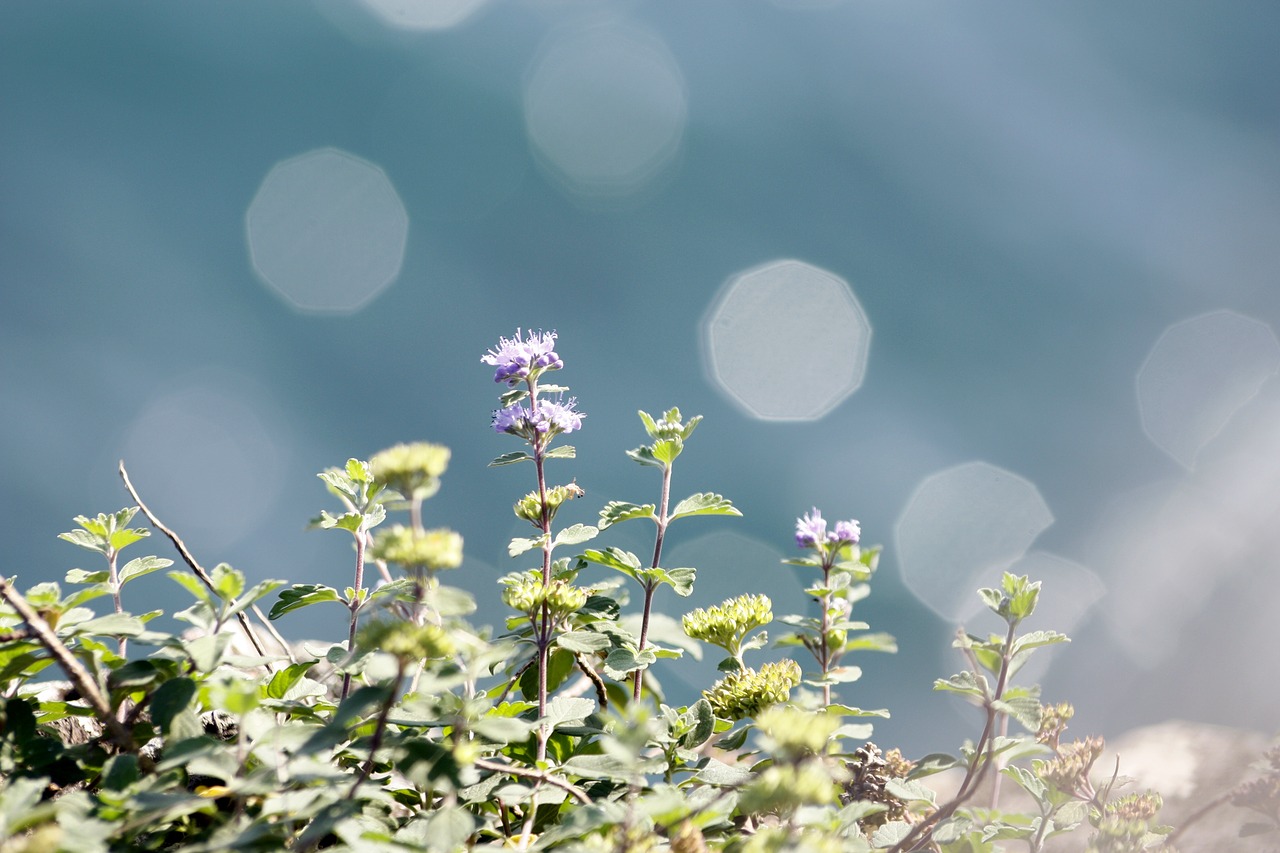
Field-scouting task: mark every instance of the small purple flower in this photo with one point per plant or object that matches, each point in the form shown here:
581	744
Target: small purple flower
846	533
516	359
811	529
553	417
811	532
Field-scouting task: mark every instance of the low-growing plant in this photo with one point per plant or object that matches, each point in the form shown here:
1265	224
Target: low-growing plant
416	730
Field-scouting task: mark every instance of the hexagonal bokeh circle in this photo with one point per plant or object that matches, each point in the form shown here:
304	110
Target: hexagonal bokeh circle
1198	375
786	341
327	231
424	15
970	521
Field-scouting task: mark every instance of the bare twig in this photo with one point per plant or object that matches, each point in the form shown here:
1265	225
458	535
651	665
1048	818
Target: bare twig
79	676
16	635
554	781
204	576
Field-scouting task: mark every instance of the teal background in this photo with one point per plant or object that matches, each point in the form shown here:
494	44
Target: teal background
1023	197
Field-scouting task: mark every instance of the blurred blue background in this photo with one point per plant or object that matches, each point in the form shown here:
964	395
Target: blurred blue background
996	279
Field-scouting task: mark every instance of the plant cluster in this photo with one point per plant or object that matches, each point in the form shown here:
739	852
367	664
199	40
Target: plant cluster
416	730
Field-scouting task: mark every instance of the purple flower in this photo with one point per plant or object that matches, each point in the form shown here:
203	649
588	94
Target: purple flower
811	532
811	529
553	417
516	359
846	533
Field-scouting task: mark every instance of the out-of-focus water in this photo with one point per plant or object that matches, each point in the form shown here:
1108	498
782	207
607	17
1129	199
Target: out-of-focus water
999	280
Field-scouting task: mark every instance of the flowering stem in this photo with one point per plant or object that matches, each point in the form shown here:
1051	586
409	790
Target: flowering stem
652	587
543	628
114	583
354	604
824	651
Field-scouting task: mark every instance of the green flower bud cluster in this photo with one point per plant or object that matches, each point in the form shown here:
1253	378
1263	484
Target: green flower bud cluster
746	692
529	507
405	640
727	623
418	549
783	788
526	593
413	470
793	733
1053	722
1125	824
1069	771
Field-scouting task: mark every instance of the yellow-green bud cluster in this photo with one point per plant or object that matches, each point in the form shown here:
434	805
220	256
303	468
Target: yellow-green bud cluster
794	733
1125	824
1053	722
1069	771
411	469
529	507
526	593
405	640
783	788
746	692
725	624
418	549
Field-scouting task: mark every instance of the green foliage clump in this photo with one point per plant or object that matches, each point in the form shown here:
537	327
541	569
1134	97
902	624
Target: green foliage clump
419	731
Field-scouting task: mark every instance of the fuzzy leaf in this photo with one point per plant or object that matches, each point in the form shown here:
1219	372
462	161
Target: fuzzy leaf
705	503
510	458
616	511
302	595
576	534
565	451
142	566
81	576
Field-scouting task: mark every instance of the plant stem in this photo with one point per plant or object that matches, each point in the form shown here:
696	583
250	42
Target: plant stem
543	628
652	587
354	604
977	768
76	673
379	730
113	580
824	651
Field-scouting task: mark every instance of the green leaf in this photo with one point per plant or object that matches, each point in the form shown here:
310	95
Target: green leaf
871	643
719	774
935	762
171	697
284	679
891	833
910	791
704	503
703	727
1036	639
583	642
565	451
227	582
614	558
576	534
624	660
665	450
519	544
681	580
113	624
81	576
616	511
302	595
510	458
141	566
349	521
1029	782
568	711
254	593
963	682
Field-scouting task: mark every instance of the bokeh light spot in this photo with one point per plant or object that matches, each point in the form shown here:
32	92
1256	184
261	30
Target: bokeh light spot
786	341
605	110
327	231
202	457
1198	375
971	521
424	14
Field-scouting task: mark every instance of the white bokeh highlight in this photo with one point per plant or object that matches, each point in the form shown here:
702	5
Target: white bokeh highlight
205	458
327	231
786	341
1198	375
423	15
605	110
962	526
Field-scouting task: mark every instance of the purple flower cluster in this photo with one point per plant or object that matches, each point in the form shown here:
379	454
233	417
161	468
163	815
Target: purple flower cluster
552	417
811	532
516	359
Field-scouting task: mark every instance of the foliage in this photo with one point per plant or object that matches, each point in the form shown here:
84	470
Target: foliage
420	731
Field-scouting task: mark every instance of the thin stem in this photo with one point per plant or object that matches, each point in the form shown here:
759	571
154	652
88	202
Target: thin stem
651	587
113	580
824	652
543	628
554	781
355	605
983	759
76	673
379	730
205	579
